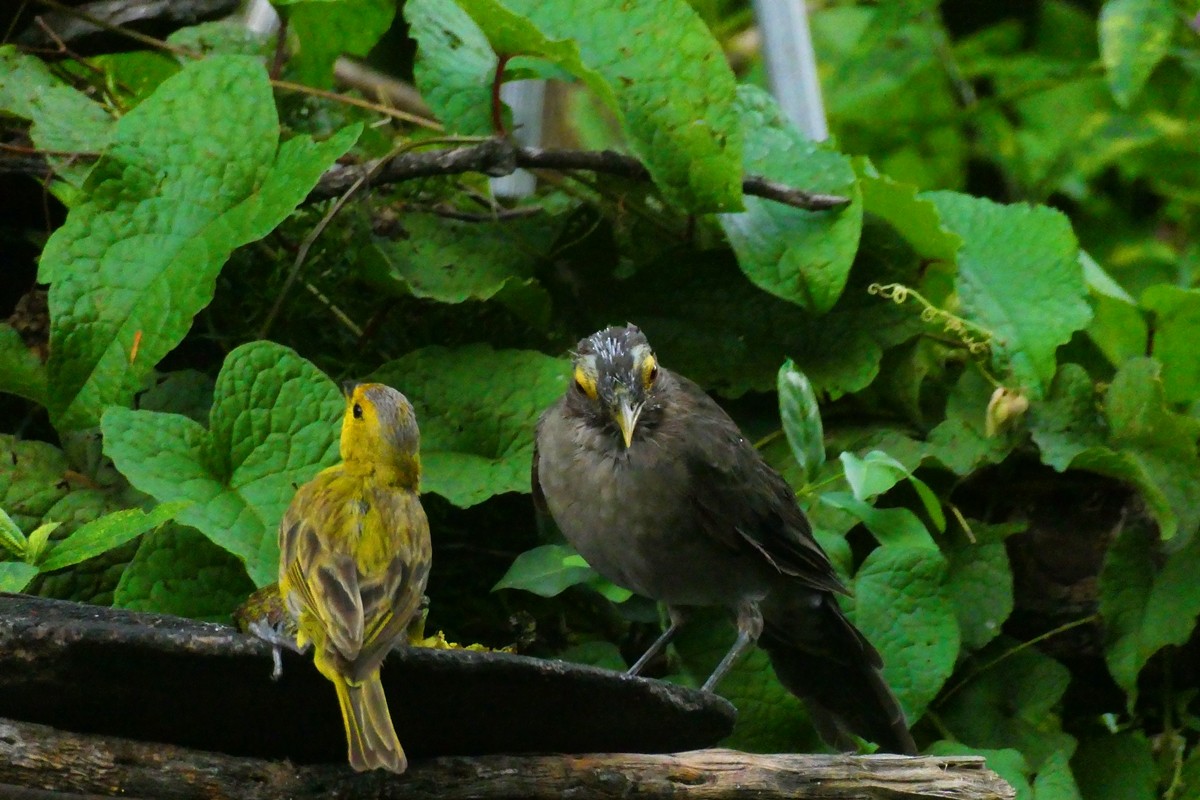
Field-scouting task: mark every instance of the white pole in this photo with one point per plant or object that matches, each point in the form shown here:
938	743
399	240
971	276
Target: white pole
526	99
792	64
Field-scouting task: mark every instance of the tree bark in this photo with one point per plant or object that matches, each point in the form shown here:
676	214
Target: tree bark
53	763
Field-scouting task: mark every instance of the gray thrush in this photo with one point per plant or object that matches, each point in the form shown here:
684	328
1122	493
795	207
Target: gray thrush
656	487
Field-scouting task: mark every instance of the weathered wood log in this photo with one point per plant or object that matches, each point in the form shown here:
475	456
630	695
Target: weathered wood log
71	764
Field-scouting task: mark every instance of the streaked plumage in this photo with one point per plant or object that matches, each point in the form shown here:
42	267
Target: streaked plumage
354	558
656	487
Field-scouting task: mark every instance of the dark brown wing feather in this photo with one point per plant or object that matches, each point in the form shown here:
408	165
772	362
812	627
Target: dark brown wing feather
739	499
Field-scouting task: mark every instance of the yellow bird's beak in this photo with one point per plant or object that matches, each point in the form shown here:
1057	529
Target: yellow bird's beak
626	417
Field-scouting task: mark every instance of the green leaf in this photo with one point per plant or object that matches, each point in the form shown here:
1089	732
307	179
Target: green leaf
11	537
800	256
228	37
32	480
980	581
1134	37
960	441
895	527
1118	329
21	372
801	419
915	218
1012	703
477	408
547	570
64	119
455	65
873	474
106	533
452	262
1157	447
1054	779
903	608
193	172
273	426
1189	777
1176	318
1117	767
1145	606
15	576
328	30
657	64
178	571
1068	421
706	334
1019	277
186	391
35	548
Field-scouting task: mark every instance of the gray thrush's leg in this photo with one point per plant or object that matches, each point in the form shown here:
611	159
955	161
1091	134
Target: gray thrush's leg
678	618
750	627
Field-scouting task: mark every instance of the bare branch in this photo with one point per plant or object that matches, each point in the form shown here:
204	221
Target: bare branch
499	157
54	760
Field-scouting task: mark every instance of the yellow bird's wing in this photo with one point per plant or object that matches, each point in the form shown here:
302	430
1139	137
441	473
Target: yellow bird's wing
318	570
394	557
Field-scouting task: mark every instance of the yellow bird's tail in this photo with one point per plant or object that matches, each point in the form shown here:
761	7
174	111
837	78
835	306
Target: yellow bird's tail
369	733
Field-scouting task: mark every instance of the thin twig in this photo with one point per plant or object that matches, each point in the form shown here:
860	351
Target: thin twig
119	30
302	254
1019	648
378	108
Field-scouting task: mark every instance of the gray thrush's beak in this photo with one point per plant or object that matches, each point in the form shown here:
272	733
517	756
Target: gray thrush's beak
626	416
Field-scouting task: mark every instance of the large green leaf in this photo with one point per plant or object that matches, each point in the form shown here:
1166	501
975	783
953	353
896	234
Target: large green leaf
1013	702
273	425
178	571
108	532
21	372
1146	604
903	607
1019	277
980	581
801	256
914	217
327	30
653	61
191	173
547	570
1134	37
1176	316
32	481
1116	767
455	64
64	119
452	262
477	408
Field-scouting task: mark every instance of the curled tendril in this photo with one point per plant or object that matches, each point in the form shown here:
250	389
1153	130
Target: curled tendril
976	339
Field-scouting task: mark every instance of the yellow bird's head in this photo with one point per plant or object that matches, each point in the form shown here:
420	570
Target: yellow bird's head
379	426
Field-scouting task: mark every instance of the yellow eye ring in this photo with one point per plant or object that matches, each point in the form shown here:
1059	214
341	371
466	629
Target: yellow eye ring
585	382
649	371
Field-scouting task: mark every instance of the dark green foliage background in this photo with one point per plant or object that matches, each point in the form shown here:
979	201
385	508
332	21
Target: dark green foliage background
1024	184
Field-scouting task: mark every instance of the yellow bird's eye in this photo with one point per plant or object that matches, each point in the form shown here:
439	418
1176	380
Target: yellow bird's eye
584	383
649	371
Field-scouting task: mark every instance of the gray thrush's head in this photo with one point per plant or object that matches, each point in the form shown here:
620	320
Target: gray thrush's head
618	385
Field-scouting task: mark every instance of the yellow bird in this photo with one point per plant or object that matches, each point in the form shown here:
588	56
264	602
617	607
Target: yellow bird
354	558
